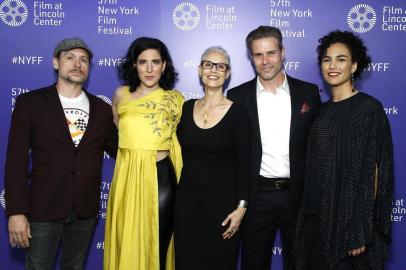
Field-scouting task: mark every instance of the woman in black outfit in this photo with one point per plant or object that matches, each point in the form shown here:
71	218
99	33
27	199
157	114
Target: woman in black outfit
345	219
212	194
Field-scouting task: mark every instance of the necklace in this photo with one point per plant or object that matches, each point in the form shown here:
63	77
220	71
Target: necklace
206	111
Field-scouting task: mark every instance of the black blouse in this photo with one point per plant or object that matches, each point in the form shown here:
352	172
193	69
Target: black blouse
349	139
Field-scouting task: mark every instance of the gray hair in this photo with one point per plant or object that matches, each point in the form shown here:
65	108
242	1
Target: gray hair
216	49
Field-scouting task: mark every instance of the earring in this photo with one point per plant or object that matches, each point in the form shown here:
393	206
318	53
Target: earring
352	82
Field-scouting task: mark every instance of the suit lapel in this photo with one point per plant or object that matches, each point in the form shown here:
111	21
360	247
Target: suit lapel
252	108
57	113
91	118
296	99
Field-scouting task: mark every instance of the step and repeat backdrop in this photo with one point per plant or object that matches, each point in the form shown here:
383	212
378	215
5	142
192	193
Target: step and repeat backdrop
29	30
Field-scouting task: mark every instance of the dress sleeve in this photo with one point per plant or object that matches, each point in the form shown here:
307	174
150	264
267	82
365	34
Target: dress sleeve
179	104
242	133
175	150
382	232
384	162
370	224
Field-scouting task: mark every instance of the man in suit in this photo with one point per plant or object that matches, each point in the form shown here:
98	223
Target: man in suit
281	109
67	130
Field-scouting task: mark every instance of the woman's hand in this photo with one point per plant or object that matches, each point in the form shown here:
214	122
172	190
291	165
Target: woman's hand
356	252
234	219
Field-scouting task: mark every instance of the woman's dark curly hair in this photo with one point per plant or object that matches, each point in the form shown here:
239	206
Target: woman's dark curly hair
128	71
354	44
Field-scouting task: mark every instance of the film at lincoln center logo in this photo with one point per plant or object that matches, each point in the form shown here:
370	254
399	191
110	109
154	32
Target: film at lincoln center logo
361	18
2	199
105	99
186	16
13	12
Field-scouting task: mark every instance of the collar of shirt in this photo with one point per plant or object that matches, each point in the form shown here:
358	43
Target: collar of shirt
77	99
283	87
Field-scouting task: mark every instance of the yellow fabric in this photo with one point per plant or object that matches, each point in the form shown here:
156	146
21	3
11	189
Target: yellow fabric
146	125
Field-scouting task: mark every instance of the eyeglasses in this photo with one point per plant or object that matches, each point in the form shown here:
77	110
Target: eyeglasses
219	66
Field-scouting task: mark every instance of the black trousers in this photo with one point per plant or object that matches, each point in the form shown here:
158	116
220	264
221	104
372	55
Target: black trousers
273	210
166	193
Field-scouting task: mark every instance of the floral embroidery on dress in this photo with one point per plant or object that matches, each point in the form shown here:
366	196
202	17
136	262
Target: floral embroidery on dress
163	113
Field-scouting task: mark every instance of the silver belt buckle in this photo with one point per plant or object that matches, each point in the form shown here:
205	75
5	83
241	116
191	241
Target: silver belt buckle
279	184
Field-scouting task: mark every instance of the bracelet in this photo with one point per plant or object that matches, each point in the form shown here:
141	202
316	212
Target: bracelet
242	204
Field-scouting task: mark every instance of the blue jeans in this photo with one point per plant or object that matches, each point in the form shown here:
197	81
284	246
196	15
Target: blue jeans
75	234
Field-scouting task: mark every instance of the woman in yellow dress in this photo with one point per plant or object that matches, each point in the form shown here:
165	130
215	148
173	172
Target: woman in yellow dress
139	221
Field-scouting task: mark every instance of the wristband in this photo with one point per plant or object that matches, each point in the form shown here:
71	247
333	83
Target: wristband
242	204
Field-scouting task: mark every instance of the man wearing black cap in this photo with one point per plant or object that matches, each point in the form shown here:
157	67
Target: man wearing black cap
67	130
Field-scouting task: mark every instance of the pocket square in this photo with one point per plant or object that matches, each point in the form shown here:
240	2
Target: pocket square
305	108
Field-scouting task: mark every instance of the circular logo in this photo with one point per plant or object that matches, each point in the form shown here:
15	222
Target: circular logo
105	99
2	199
13	12
186	16
361	18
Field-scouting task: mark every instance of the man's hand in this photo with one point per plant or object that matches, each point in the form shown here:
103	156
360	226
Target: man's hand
19	230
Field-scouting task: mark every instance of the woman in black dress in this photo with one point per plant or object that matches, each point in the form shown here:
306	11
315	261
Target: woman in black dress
345	219
211	199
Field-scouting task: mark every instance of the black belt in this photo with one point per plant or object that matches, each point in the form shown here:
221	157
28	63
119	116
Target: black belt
275	183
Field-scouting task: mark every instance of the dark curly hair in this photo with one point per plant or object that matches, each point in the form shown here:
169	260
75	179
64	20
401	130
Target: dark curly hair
358	51
128	71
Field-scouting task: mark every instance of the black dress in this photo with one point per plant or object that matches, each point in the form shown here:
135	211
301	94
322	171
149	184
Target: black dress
215	176
343	199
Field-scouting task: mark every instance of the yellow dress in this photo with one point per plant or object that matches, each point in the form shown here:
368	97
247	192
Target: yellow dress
146	125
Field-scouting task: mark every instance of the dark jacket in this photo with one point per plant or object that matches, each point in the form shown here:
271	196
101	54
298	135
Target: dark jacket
305	100
62	177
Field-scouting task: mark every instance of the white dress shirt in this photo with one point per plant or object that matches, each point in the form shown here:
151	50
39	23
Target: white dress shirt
274	113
